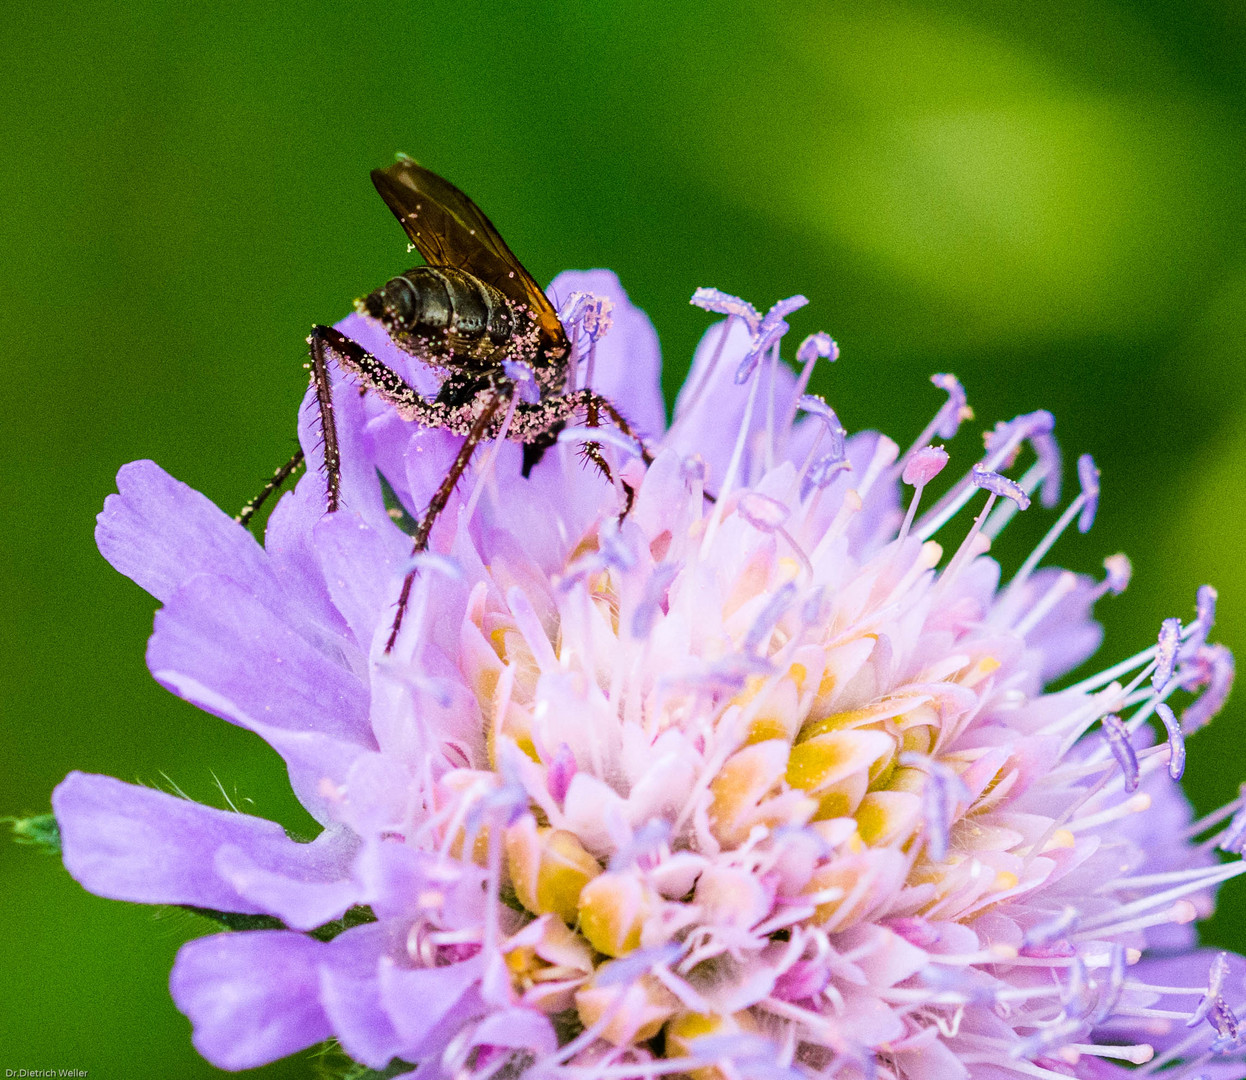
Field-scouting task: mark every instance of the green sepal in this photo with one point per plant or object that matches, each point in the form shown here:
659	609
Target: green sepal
394	508
39	831
230	920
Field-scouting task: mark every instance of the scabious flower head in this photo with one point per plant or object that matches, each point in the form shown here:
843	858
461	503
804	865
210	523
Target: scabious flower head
753	779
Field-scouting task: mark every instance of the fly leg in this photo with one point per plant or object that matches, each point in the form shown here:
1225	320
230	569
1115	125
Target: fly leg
438	503
275	481
594	405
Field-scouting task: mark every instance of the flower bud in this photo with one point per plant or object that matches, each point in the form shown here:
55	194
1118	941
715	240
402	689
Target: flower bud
637	1009
613	908
548	868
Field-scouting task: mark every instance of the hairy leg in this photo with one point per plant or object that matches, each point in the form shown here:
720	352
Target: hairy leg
322	336
278	478
438	503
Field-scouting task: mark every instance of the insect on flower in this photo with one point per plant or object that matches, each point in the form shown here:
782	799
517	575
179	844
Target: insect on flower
473	313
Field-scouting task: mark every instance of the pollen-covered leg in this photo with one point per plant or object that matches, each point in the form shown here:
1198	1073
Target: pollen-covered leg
595	405
317	340
278	478
438	503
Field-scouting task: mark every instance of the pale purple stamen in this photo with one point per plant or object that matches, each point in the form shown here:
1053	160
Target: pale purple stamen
725	304
1051	462
817	346
1110	994
615	553
813	610
767	335
769	615
651	603
1053	929
524	378
1000	485
562	770
1002	445
1204	620
608	436
1225	1021
1213	666
762	511
816	406
955	410
590	311
1088	477
1215	980
924	466
1166	654
1205	606
1119	571
1176	741
822	472
1234	839
1117	736
941	796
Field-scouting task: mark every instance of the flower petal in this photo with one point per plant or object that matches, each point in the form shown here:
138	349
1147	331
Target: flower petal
131	843
216	646
252	997
160	533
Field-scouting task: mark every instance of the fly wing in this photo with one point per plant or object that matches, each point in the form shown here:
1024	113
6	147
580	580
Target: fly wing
448	229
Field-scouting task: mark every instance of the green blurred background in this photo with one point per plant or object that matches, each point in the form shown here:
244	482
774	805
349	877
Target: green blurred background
1045	199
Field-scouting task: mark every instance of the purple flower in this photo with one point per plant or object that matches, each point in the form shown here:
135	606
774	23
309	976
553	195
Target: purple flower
755	777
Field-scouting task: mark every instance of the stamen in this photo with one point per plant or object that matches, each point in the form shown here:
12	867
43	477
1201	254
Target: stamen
1003	443
764	624
1050	460
942	794
762	511
1064	584
767	335
524	377
733	467
1000	485
1119	571
1052	929
1094	926
1205	617
1215	979
813	348
1086	500
1234	839
562	770
725	304
815	405
1166	653
1110	995
1214	667
1006	511
948	419
1122	749
1088	477
820	473
1138	1054
1176	741
921	467
487	469
650	605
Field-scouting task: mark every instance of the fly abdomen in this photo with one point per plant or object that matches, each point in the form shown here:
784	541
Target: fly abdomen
431	301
